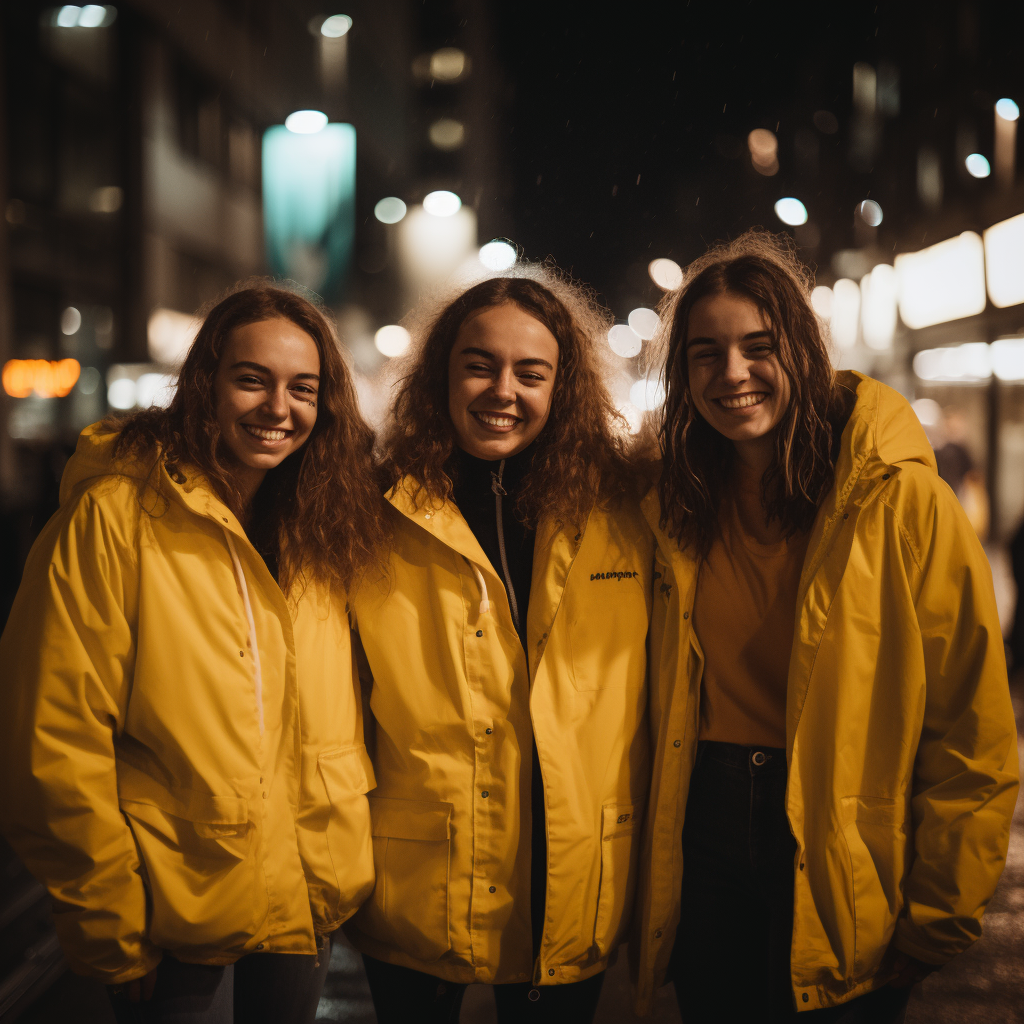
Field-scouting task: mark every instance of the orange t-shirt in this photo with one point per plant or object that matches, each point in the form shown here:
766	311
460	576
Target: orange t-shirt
744	615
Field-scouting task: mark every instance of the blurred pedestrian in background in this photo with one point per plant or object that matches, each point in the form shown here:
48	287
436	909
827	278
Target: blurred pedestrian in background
829	692
509	668
181	736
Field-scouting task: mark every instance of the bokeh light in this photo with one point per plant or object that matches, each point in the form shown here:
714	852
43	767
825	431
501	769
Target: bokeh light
1007	109
392	340
624	341
791	211
306	122
497	255
390	210
978	166
447	134
335	26
644	322
448	64
822	301
647	394
764	151
870	212
121	393
442	203
665	273
70	321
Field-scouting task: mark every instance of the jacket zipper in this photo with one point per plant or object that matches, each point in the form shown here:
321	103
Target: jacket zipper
499	491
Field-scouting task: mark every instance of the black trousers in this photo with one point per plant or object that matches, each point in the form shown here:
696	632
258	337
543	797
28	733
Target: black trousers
401	994
731	960
261	988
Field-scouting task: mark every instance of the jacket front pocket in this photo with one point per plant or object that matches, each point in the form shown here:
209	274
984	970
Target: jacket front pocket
876	841
197	852
411	850
620	849
347	775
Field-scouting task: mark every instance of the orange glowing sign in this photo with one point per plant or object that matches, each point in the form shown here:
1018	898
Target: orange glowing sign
46	378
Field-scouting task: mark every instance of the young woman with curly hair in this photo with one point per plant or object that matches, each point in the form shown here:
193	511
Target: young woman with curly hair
508	666
835	759
181	733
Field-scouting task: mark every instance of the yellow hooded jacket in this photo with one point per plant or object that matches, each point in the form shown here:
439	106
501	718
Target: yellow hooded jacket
181	751
899	730
456	709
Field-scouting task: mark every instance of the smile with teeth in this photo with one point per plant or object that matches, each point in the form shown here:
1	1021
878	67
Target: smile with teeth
742	401
262	434
496	419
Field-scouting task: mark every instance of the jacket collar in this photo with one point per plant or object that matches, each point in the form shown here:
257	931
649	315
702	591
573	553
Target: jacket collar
554	552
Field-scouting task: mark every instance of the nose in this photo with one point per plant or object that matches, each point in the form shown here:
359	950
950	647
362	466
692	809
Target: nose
276	404
737	367
504	389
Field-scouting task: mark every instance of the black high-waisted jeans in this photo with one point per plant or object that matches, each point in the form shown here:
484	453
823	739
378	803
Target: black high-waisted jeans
731	959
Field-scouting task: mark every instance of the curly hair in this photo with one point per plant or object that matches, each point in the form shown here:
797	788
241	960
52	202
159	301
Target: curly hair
320	512
697	458
580	456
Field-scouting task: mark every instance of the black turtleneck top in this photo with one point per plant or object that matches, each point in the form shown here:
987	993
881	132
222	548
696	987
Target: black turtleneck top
475	480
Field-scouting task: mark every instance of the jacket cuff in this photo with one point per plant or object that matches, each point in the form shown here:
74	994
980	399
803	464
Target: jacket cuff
906	940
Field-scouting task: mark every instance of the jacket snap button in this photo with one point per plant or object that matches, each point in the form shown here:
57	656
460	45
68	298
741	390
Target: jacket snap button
806	997
259	946
758	757
479	632
488	731
533	995
485	794
885	476
492	889
677	743
241	654
846	515
801	867
551	972
224	519
657	934
686	615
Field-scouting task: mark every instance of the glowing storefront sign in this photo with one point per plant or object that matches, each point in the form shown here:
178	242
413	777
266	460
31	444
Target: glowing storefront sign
1004	261
309	185
943	282
43	377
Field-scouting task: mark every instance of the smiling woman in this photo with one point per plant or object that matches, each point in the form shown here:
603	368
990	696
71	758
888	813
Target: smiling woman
508	687
181	742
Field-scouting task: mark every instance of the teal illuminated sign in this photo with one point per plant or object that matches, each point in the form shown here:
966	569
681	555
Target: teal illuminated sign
309	188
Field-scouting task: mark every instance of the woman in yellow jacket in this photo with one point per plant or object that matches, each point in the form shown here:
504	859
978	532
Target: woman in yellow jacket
835	755
181	748
508	661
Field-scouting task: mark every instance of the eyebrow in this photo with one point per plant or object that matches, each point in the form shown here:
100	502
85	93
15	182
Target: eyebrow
246	364
752	336
519	362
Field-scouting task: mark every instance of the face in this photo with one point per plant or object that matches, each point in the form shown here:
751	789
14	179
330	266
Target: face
266	394
501	376
736	380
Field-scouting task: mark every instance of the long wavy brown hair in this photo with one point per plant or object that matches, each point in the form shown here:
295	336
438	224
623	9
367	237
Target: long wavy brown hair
320	512
579	457
697	460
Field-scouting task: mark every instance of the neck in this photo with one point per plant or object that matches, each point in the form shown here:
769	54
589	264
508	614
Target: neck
248	481
753	457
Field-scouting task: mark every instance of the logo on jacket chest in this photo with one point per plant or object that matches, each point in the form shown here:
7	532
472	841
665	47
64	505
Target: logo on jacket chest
627	575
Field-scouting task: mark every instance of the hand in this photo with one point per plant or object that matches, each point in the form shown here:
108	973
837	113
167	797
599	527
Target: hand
910	971
141	989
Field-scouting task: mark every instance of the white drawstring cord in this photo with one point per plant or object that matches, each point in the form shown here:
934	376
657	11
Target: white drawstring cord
485	604
240	576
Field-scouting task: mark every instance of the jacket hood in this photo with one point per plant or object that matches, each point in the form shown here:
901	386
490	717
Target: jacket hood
94	457
883	424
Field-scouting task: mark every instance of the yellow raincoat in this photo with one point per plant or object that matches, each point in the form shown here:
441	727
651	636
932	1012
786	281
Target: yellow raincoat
456	709
899	730
181	754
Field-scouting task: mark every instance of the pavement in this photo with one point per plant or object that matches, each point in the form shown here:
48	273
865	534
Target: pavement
984	985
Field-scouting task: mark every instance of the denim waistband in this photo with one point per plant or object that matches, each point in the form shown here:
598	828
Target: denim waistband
756	760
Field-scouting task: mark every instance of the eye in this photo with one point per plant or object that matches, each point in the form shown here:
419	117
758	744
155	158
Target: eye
532	378
250	380
303	389
480	368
